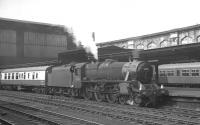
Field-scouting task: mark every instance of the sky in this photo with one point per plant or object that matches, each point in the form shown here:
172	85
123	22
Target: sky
109	19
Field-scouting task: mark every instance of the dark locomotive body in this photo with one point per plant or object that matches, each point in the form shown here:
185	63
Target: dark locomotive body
110	81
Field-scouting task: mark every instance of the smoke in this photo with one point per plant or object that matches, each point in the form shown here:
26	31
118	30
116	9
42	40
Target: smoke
82	39
91	47
86	41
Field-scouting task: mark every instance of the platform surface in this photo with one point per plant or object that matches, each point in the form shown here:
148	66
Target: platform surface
184	92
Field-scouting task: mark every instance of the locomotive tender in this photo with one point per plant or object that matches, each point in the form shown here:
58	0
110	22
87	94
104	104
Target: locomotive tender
110	81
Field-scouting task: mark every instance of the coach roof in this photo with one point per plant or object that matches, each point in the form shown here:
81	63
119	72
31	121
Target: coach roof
180	65
39	68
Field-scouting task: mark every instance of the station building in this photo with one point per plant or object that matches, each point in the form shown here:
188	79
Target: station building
29	42
172	46
170	38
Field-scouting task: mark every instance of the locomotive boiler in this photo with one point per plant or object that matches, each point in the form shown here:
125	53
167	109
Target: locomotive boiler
113	70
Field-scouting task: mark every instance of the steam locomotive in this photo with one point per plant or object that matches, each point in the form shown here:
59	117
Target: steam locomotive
110	81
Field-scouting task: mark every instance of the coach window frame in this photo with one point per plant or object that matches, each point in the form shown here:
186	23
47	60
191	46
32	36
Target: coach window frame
170	73
13	76
36	75
33	76
16	75
162	73
8	76
184	72
28	75
19	76
195	72
5	76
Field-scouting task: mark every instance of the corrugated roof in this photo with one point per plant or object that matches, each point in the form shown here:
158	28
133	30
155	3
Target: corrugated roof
30	22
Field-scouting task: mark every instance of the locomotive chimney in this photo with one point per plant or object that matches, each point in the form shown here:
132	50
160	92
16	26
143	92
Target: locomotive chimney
135	54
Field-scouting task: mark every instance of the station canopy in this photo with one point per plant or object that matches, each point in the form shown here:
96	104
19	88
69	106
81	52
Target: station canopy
173	54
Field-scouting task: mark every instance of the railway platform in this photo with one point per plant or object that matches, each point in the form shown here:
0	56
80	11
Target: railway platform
184	92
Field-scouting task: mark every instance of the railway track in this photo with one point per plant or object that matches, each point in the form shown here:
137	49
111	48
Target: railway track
5	122
131	114
13	115
40	116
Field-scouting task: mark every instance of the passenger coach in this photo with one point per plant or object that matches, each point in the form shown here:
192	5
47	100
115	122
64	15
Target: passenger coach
180	74
20	78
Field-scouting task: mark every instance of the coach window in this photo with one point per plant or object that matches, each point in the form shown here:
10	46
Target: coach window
170	73
24	75
162	73
185	72
16	76
13	77
195	72
19	76
8	75
28	75
5	77
33	76
36	76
